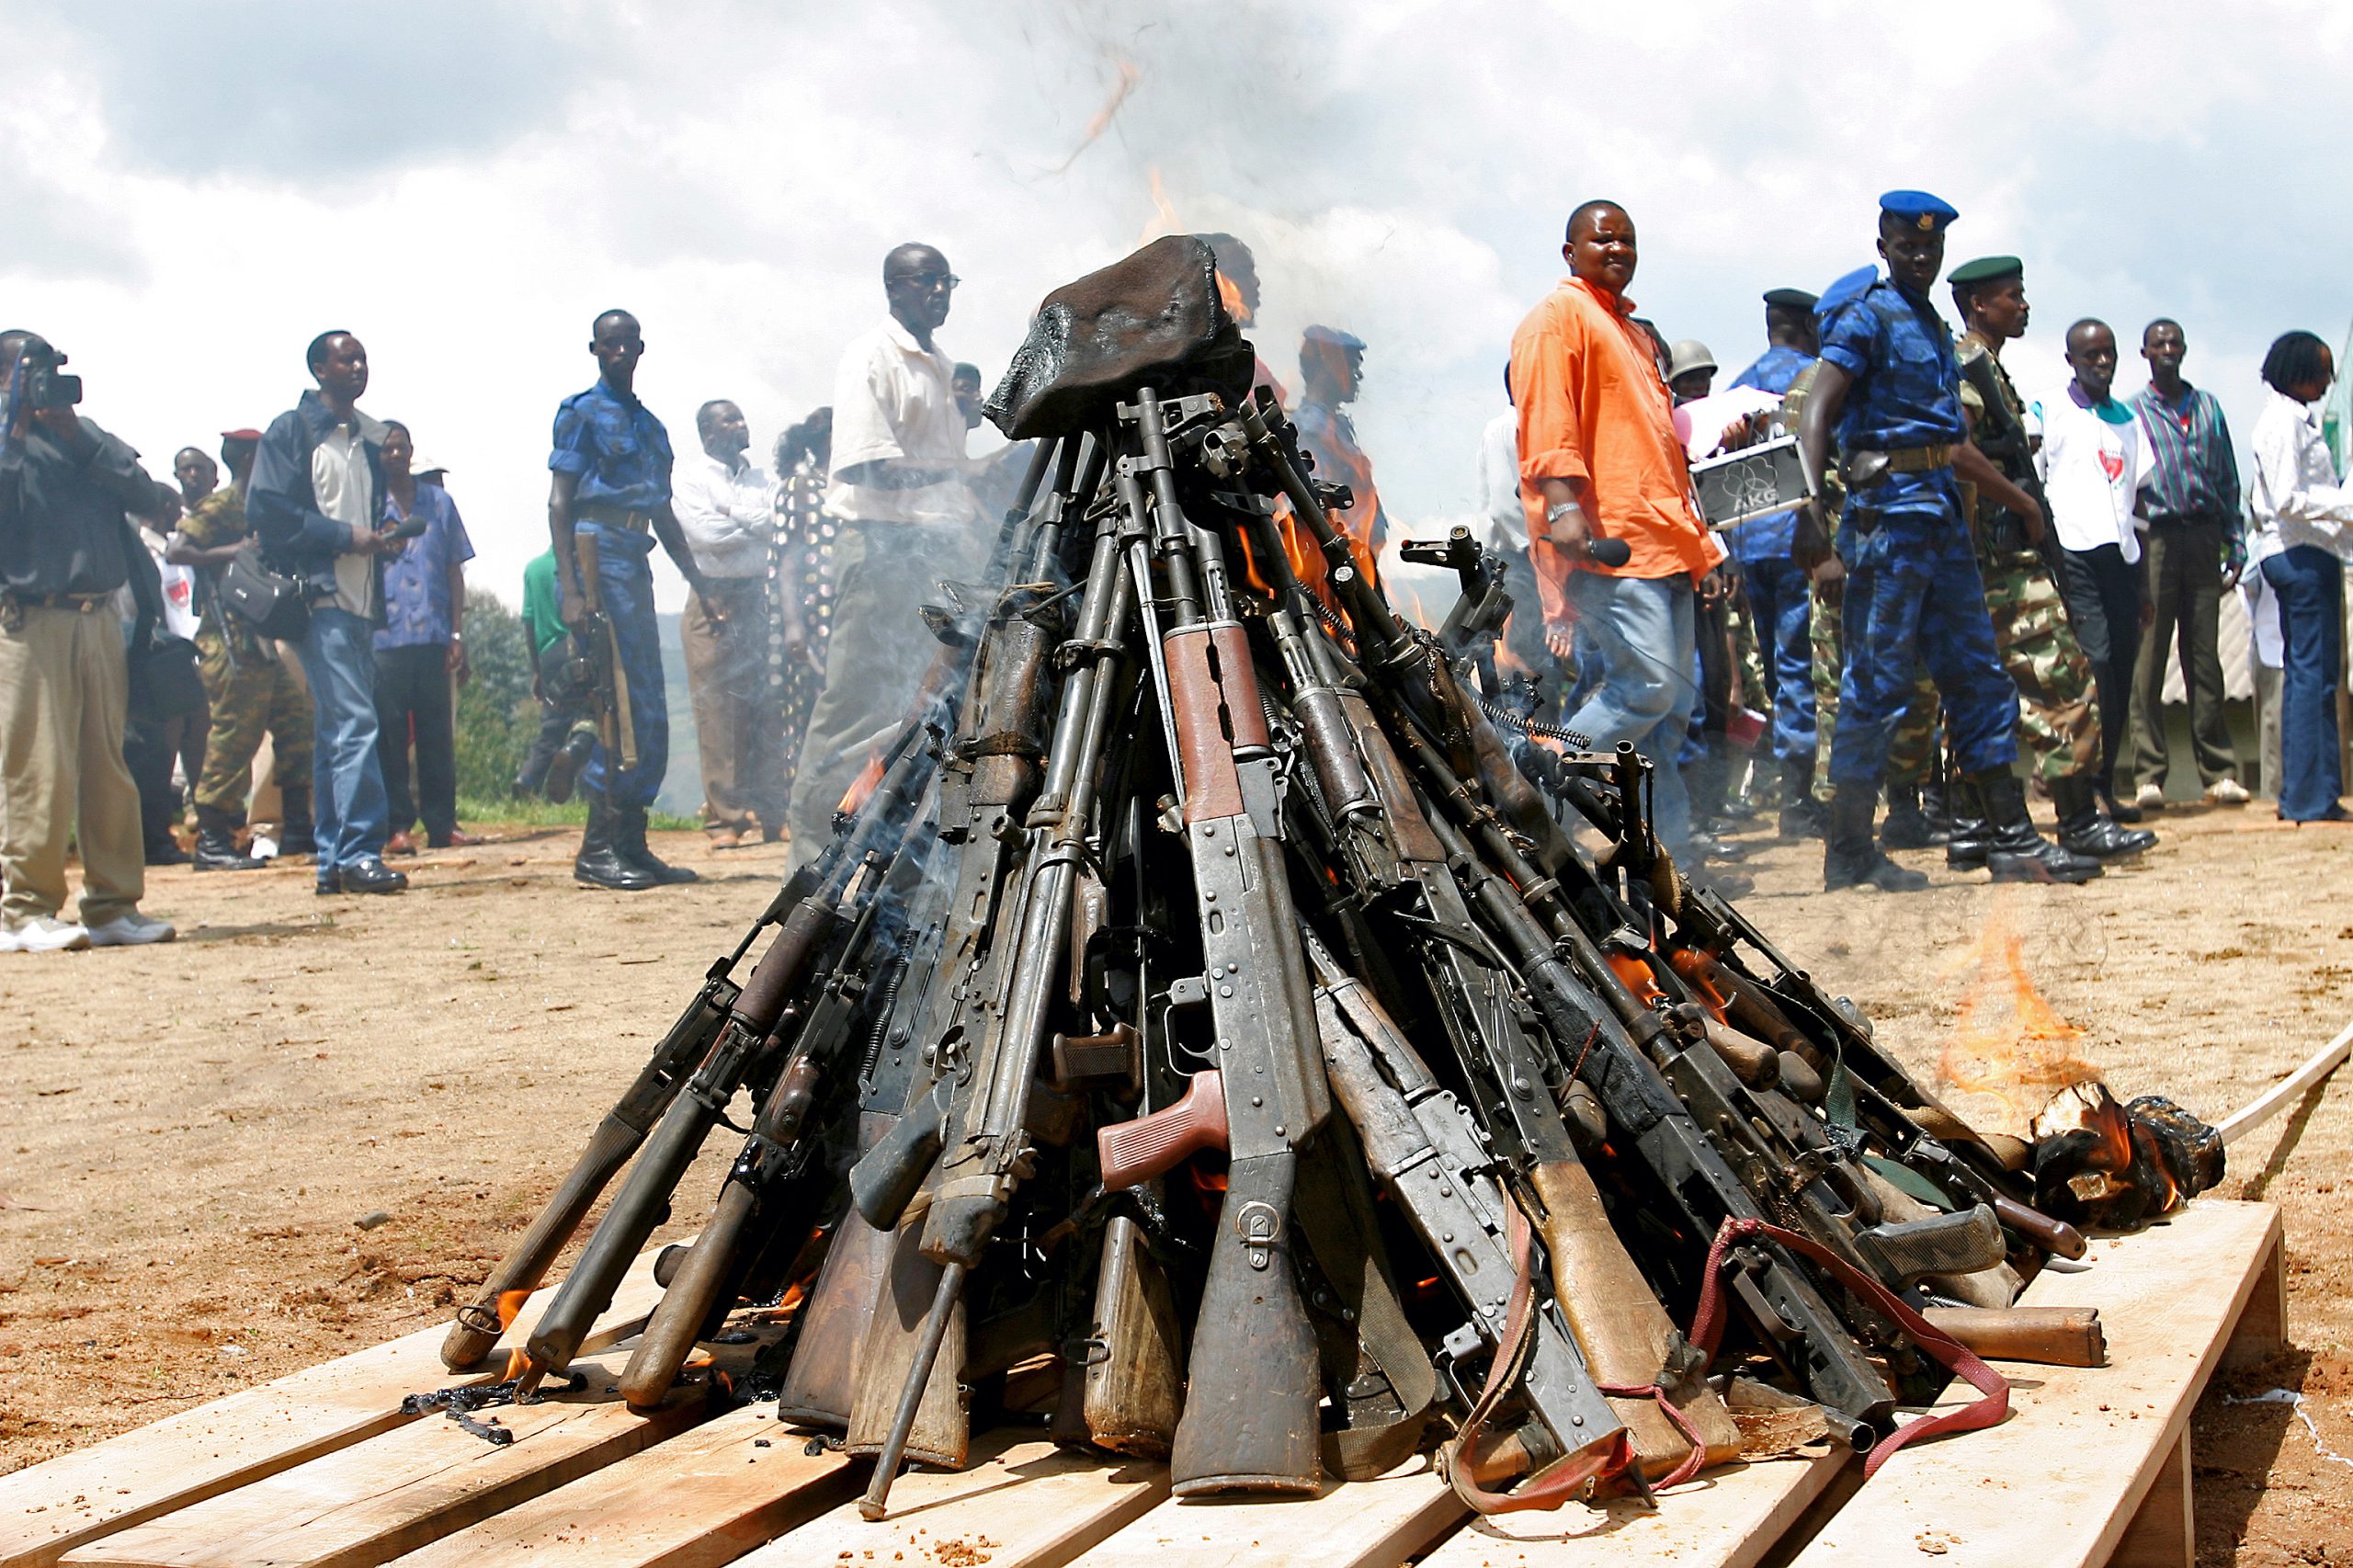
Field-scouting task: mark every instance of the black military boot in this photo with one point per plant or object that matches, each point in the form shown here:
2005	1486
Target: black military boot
216	842
600	862
1801	815
294	835
1966	830
564	768
2085	831
632	847
1851	857
1907	826
1936	806
2015	852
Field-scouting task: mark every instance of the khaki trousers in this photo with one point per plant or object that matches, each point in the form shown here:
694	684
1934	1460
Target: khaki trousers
739	733
63	683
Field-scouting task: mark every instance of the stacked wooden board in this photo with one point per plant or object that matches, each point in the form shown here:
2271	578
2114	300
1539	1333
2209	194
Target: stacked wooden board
324	1469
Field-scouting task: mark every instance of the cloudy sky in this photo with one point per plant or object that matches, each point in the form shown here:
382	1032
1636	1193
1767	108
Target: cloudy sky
189	192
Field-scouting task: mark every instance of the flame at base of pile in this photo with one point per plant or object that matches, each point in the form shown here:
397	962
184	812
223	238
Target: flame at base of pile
1205	1011
2099	1163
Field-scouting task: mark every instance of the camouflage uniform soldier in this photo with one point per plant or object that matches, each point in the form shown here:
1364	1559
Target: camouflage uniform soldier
2058	725
252	688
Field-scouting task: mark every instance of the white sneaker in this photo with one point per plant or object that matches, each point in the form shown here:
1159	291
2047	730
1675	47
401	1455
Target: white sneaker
2228	792
43	934
2150	797
132	930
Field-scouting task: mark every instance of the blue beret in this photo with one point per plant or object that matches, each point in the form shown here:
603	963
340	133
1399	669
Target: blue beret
1918	207
1333	335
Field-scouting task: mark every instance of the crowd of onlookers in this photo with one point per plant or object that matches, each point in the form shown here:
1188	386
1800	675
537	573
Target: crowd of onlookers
1976	599
1973	604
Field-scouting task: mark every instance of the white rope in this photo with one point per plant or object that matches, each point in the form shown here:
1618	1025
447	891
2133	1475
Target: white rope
2295	1402
2288	1090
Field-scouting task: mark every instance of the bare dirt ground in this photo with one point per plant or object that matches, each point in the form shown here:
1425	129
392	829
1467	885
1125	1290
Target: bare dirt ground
193	1131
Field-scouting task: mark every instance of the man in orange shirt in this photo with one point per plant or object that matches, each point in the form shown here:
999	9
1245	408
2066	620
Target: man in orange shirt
1605	480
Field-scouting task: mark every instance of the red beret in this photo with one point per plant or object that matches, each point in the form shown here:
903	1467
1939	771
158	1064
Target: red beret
241	434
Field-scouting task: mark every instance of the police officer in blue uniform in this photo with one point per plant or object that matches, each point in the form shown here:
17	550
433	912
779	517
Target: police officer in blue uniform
1889	389
611	500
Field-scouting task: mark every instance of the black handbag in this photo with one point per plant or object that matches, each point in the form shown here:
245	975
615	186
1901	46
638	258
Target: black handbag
164	684
270	602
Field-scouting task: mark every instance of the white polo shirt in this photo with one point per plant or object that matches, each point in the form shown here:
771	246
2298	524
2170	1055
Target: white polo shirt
894	398
2090	462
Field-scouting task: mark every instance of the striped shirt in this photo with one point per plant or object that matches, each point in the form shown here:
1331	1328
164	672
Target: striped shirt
2191	473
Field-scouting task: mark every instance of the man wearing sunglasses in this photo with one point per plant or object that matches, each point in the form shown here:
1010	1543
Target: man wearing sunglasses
900	482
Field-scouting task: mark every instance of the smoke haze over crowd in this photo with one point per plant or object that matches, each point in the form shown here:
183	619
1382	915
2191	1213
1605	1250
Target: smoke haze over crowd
191	192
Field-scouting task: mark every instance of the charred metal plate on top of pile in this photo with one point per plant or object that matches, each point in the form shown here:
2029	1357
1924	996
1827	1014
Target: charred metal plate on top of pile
1153	318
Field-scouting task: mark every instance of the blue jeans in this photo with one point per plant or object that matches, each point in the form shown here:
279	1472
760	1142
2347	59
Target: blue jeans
1780	605
625	586
2310	583
346	782
1914	596
1641	630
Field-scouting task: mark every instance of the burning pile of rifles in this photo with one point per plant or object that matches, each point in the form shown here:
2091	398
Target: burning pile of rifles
1206	996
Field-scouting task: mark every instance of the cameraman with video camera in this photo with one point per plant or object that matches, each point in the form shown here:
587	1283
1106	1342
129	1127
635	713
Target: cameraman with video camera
65	549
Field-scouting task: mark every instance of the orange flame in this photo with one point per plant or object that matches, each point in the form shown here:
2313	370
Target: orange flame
1163	219
1127	78
863	785
1230	297
510	1307
2007	1041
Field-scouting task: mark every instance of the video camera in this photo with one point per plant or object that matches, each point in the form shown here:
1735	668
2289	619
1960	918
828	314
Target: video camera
45	385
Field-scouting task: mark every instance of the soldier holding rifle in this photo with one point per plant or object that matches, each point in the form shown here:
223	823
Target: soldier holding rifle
608	504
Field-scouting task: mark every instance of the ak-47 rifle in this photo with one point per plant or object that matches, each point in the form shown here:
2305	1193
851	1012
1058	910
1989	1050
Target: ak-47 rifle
595	670
970	1136
2010	447
1429	1154
1252	1386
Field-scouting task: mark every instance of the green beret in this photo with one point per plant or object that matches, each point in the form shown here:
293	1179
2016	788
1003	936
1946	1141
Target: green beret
1987	269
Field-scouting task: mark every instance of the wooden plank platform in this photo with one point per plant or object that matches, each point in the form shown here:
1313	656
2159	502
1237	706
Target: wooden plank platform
369	1503
2092	1467
706	1496
1727	1518
48	1509
1024	1504
1373	1522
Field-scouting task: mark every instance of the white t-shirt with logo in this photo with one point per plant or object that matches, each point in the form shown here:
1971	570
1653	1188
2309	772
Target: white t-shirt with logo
2091	463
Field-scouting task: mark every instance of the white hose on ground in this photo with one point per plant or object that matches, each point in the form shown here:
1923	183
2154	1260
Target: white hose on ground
2288	1090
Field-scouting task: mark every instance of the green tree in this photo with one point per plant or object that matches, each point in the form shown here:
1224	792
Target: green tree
498	716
